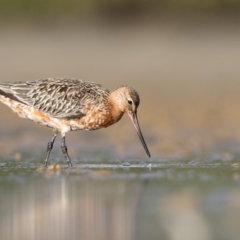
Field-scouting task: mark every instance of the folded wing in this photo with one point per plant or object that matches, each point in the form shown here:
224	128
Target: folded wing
58	97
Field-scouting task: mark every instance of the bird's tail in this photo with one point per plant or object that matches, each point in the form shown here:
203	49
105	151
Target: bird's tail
5	88
6	91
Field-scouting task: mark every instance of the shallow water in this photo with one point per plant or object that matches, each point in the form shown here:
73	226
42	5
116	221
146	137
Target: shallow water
127	199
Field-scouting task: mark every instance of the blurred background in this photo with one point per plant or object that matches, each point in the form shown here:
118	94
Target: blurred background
182	56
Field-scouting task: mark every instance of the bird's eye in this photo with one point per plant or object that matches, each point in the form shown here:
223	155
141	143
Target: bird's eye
130	102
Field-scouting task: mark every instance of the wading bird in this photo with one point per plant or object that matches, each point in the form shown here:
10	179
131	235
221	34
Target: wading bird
71	104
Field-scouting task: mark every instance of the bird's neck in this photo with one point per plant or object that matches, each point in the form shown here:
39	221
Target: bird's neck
116	110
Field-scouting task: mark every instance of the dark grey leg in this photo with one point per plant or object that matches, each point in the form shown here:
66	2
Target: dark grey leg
49	147
65	152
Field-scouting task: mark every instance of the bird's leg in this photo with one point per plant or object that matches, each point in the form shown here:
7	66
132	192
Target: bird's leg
65	152
50	145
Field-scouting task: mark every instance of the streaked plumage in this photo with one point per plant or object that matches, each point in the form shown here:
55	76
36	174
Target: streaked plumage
70	104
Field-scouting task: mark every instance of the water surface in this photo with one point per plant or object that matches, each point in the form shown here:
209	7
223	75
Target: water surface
120	200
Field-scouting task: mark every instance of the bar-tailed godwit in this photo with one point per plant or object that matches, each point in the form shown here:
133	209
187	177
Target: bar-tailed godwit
71	104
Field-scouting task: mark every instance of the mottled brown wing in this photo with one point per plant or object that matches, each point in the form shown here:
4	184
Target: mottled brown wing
60	98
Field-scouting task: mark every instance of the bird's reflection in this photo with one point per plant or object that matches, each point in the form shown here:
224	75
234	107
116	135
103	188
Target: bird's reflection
101	205
67	210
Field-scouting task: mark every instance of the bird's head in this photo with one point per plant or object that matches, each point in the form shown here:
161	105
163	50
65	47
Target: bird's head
128	101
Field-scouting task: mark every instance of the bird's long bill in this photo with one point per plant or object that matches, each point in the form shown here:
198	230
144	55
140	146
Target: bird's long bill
133	117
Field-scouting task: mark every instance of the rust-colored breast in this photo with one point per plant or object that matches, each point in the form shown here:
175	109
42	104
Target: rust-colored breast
94	119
